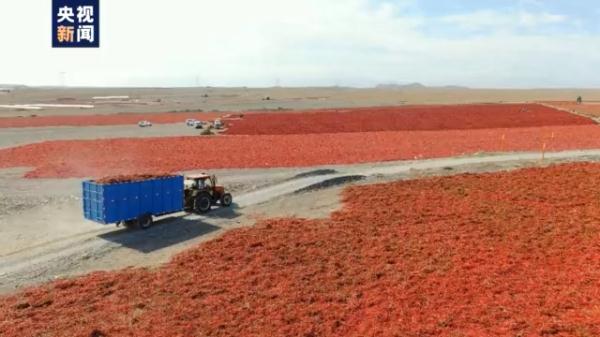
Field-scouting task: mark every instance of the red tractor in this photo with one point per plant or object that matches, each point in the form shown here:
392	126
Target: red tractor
201	192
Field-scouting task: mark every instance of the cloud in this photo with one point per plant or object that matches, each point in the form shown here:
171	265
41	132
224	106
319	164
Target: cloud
490	19
302	42
536	19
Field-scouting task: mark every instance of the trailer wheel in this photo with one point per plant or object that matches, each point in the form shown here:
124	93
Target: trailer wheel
145	221
202	203
226	200
129	224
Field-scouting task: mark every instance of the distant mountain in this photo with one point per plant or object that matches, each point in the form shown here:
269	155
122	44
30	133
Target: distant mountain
456	87
12	86
415	85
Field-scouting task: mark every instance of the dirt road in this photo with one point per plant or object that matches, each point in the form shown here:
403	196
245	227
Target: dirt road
44	235
10	137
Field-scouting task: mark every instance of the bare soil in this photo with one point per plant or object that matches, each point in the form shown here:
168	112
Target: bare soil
280	99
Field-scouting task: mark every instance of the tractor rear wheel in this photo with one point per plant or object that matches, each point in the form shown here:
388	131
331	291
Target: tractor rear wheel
202	203
226	200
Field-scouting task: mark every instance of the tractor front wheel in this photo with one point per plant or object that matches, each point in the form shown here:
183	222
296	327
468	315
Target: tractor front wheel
226	200
202	203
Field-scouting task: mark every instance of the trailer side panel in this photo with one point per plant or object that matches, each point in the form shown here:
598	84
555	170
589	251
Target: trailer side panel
111	203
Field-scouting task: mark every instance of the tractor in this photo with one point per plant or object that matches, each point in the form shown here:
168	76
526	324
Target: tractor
201	192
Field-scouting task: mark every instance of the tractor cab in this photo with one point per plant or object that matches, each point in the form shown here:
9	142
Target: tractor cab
201	192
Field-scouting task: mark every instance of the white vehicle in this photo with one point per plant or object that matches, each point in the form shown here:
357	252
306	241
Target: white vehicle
191	122
217	124
198	124
143	124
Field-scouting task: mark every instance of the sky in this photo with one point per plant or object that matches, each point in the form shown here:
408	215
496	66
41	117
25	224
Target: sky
360	43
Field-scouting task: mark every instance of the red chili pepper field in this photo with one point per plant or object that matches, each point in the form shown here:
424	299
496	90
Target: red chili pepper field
503	254
260	140
403	118
424	117
97	158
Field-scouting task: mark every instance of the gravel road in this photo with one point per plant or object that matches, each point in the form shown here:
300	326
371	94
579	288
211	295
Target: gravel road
43	235
10	137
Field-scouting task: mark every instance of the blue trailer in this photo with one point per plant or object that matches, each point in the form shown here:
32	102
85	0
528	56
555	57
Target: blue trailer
134	203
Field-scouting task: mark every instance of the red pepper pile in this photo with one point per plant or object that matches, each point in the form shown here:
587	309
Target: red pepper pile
97	158
436	117
503	254
129	178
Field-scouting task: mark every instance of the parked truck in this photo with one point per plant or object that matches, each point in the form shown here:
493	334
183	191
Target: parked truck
135	202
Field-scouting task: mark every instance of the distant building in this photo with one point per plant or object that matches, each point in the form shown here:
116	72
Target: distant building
5	90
